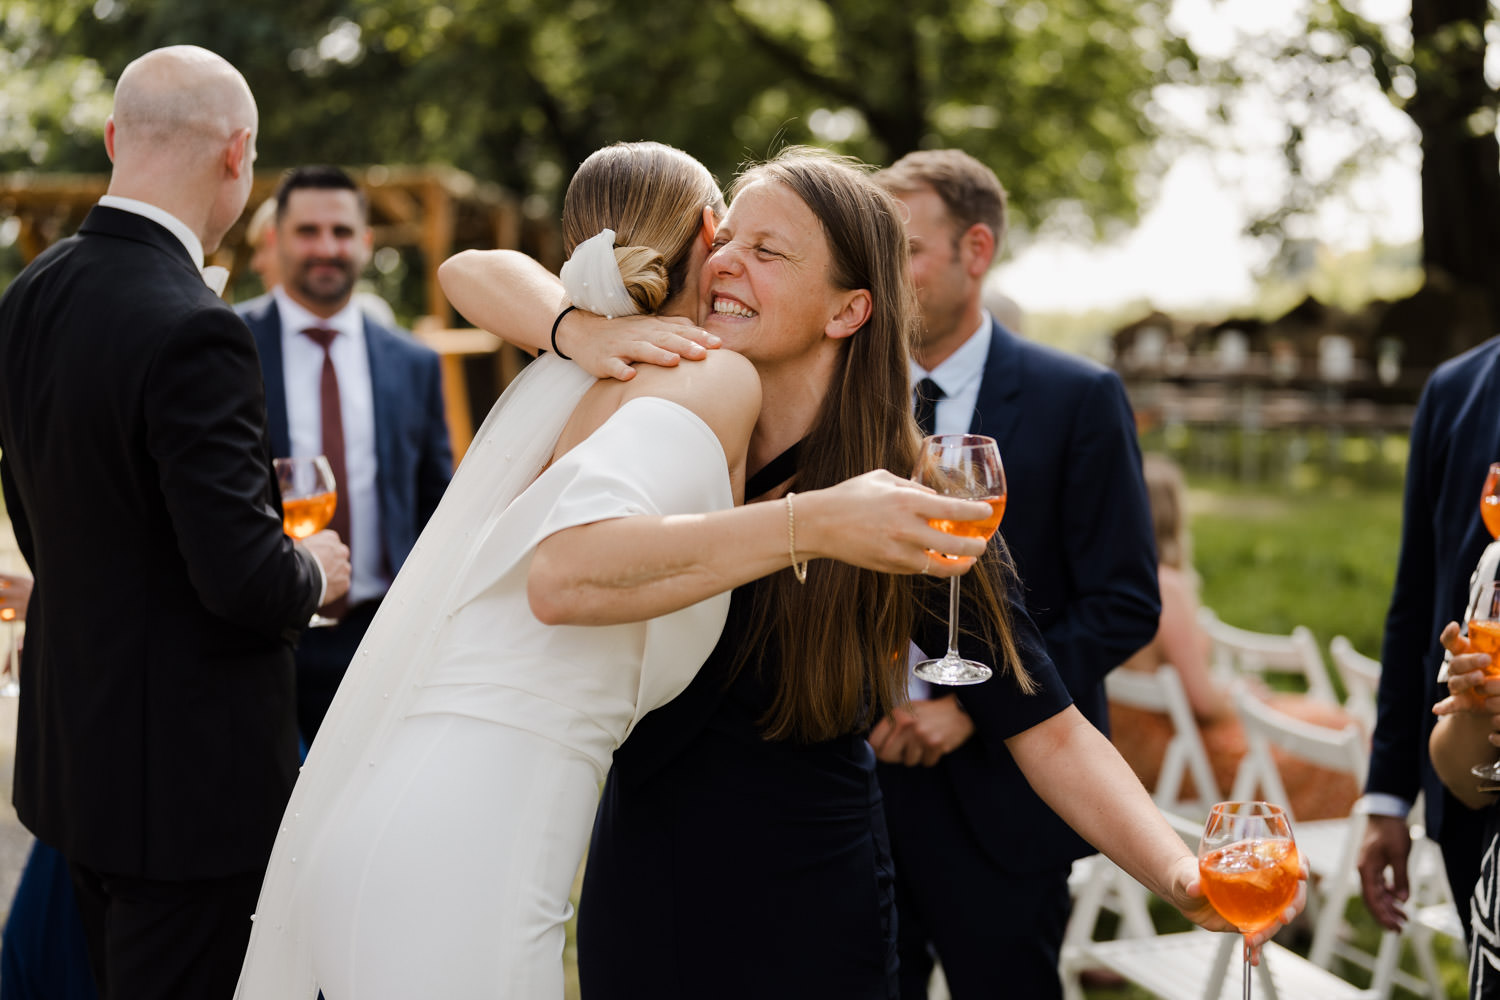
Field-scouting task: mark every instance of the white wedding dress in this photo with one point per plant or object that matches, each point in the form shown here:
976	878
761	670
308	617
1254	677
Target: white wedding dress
433	836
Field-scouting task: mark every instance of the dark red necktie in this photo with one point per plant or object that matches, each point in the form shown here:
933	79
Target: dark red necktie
333	448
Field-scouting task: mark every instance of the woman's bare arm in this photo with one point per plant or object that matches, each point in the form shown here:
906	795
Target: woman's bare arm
633	568
1465	732
1078	772
517	299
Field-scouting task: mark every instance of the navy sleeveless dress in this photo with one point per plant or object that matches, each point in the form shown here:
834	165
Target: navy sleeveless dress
725	865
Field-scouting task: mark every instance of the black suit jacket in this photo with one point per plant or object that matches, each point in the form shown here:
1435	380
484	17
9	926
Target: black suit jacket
1454	438
413	456
156	734
1078	525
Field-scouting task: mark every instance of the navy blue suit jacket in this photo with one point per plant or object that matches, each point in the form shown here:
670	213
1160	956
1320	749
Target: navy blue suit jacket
412	451
1454	438
1078	525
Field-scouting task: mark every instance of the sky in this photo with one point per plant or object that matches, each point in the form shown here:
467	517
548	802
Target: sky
1189	249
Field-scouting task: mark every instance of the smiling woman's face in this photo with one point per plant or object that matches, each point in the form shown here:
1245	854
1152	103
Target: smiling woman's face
767	280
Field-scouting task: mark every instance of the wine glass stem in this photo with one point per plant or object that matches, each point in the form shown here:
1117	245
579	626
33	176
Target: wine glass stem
1247	970
953	618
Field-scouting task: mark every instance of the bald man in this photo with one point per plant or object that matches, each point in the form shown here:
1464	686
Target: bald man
157	740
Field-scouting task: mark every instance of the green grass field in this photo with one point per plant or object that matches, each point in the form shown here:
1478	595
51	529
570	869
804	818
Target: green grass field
1324	558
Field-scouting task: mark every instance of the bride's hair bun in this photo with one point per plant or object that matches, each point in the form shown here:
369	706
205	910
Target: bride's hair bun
644	271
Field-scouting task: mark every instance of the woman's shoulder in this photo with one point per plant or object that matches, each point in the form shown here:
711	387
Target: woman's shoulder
723	390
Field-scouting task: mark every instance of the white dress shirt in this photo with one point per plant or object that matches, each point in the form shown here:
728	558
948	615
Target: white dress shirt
959	376
302	375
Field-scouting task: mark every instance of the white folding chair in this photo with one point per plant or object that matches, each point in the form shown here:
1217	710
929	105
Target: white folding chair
1185	755
1241	652
1187	965
1360	675
1331	846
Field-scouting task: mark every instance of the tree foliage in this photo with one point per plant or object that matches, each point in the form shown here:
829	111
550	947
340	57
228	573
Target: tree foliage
1053	95
1432	68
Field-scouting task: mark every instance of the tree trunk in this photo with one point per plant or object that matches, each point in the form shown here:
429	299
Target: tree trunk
1460	170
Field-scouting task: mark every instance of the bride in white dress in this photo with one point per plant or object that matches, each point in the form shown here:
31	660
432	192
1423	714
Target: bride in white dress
432	839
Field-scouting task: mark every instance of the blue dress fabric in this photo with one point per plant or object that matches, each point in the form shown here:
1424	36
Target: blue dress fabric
43	955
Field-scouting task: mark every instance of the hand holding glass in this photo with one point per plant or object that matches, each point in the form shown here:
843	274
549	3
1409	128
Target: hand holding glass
1248	864
966	466
1484	637
308	499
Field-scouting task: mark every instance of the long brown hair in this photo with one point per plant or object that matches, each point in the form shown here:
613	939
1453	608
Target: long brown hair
843	636
652	195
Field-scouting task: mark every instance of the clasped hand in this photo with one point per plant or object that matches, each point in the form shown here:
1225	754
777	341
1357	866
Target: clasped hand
608	348
922	732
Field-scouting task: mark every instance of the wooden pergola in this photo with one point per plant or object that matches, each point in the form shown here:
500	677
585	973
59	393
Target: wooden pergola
430	211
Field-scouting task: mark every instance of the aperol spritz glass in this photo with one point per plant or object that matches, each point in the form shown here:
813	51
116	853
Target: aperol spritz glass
309	497
1248	863
966	466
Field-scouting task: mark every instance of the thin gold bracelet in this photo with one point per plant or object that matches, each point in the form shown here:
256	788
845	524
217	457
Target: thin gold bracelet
800	569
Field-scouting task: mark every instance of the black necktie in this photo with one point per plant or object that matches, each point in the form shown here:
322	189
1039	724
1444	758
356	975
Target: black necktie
927	394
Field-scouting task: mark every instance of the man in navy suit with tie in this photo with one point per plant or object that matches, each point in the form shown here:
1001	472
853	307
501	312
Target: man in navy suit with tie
981	861
1454	438
369	397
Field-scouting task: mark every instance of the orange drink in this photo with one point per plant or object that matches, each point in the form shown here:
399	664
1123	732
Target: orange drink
1484	637
1250	882
1489	509
975	529
309	515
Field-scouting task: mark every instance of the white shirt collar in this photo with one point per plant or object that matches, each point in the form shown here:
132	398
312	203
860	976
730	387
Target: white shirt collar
348	321
962	365
163	218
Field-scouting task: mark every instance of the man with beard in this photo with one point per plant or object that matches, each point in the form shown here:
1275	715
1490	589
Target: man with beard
342	385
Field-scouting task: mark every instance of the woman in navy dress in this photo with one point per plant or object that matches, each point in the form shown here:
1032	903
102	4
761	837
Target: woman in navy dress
740	847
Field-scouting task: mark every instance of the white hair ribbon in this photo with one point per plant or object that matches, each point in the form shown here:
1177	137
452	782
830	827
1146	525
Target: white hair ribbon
591	277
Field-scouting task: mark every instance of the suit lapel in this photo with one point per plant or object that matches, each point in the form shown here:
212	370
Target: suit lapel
385	390
385	400
994	414
266	328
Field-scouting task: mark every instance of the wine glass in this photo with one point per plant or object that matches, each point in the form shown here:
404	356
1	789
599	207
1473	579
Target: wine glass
966	466
1484	637
1489	500
1248	863
308	499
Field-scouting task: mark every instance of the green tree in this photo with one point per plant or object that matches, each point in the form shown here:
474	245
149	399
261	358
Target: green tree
1054	95
1432	69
